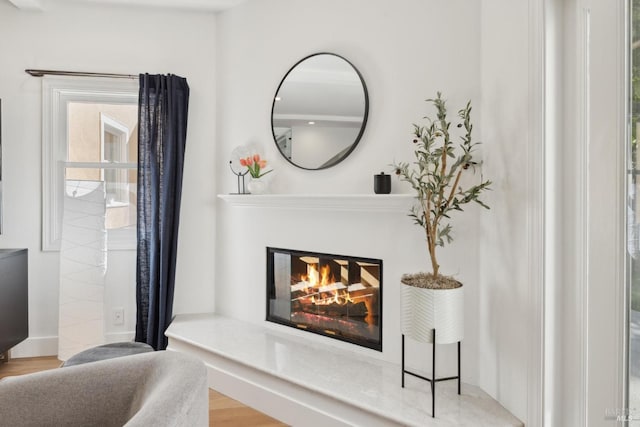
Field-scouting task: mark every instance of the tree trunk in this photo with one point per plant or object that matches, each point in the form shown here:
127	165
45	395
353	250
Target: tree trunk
431	246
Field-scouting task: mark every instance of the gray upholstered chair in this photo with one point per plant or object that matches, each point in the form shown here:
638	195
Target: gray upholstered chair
108	351
151	389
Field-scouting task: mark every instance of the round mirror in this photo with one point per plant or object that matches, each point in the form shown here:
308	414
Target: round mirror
319	111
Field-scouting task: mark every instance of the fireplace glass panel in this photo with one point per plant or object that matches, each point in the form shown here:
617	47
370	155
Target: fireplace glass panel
332	295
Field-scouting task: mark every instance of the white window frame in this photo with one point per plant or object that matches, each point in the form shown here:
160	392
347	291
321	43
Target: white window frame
57	92
122	132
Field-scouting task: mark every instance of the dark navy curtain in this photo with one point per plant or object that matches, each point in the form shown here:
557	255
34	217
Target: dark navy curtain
162	131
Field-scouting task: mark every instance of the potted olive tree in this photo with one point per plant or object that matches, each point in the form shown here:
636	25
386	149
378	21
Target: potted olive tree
433	300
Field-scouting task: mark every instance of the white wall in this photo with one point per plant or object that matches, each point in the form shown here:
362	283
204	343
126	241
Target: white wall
406	51
504	305
104	39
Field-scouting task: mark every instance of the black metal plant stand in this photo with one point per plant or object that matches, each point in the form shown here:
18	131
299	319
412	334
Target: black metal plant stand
433	380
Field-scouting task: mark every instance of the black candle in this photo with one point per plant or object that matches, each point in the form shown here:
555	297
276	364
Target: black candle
382	183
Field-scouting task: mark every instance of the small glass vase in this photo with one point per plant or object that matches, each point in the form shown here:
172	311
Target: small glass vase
257	186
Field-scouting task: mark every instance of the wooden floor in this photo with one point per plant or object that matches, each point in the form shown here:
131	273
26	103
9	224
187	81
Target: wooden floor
223	411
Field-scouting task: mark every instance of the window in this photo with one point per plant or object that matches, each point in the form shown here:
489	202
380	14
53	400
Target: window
90	134
114	140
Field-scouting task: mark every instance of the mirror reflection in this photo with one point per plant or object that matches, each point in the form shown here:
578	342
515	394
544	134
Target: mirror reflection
319	111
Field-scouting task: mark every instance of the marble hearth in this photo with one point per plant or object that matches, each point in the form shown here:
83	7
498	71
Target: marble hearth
305	382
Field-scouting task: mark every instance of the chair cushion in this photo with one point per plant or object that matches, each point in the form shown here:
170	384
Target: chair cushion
108	351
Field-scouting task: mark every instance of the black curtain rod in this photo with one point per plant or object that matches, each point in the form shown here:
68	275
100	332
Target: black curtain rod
40	73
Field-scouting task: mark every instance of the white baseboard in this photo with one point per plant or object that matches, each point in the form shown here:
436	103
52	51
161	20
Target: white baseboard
35	347
48	346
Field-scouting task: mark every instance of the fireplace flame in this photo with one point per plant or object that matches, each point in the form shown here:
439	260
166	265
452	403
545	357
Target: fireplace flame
316	280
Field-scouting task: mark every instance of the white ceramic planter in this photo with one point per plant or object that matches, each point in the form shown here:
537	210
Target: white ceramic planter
426	309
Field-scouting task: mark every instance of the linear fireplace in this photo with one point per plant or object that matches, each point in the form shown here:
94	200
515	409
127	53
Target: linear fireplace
333	295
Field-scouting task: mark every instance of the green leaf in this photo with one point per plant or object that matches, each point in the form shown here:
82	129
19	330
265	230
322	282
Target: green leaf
432	184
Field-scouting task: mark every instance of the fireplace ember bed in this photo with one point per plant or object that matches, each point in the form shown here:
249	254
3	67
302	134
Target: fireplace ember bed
333	295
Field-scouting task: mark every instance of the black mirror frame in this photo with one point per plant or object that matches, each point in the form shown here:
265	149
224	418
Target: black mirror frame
364	118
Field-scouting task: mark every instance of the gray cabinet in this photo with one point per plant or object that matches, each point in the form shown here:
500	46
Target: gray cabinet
14	300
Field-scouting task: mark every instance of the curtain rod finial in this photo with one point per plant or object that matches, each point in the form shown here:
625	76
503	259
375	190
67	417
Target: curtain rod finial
34	73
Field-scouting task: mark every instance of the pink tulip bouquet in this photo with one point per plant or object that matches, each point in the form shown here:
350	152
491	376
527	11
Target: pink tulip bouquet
255	165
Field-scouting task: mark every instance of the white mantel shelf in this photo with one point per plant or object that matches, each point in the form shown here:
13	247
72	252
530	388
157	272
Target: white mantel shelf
332	202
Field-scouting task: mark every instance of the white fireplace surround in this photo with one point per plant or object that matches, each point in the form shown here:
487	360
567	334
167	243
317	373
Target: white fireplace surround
305	383
244	353
369	225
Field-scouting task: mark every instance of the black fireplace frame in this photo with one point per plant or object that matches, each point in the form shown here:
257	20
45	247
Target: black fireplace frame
270	294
